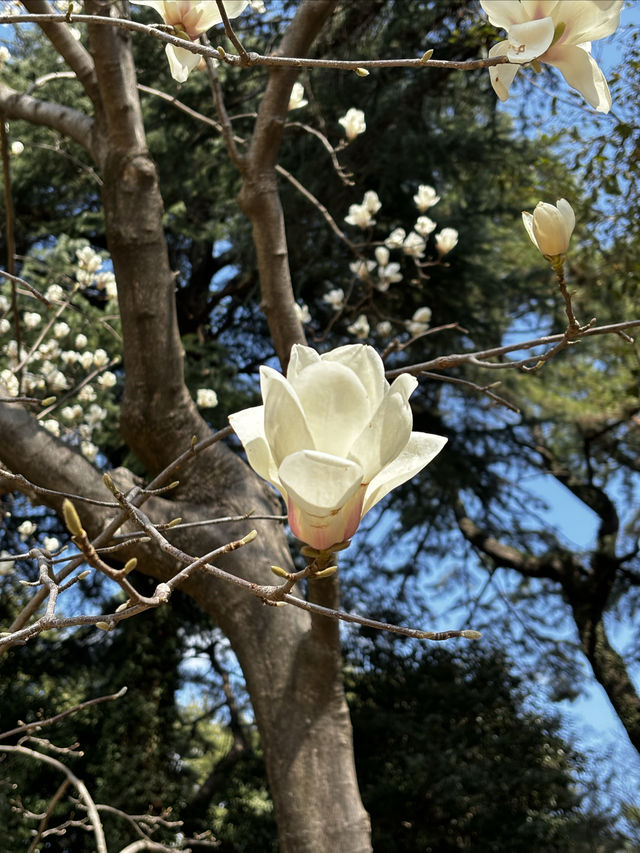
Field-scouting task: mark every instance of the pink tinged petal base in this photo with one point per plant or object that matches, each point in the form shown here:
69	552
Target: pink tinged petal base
325	496
421	448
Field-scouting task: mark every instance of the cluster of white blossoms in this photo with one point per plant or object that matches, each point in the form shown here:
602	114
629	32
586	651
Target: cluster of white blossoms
56	357
380	272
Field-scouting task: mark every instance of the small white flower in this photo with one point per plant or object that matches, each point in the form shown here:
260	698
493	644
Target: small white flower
95	414
446	240
424	226
388	275
360	328
361	269
69	357
26	529
88	259
334	298
17	148
81	341
54	293
5	326
10	382
51	543
384	328
86	394
4	304
371	201
414	245
60	330
297	98
359	215
7	565
89	450
258	6
353	123
100	358
550	227
419	323
382	255
395	240
303	312
107	379
56	380
206	398
425	197
31	319
68	413
86	360
5	54
52	426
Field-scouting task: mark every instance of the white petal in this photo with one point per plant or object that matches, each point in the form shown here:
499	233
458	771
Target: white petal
566	211
420	450
211	16
181	62
319	483
158	5
530	40
501	76
285	425
299	358
386	436
248	425
527	219
368	367
587	20
335	405
581	72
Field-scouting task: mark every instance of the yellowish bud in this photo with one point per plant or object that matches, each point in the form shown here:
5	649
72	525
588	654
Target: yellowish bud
280	572
249	537
130	565
471	635
325	573
174	522
427	55
48	401
362	72
71	518
104	626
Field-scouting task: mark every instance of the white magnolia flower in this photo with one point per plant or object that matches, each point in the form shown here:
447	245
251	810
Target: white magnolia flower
51	543
414	245
5	326
334	438
425	197
107	379
388	275
4	304
334	298
371	201
559	33
190	19
419	323
89	450
86	394
5	54
446	240
86	359
353	123
54	293
361	269
206	398
382	255
70	413
61	330
258	6
550	227
17	148
52	426
359	215
424	226
395	240
297	98
95	414
81	341
10	383
56	380
88	260
360	327
26	529
7	565
302	311
31	319
100	357
383	328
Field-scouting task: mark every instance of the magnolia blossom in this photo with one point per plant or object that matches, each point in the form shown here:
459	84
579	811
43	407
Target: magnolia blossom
414	245
361	269
559	33
302	311
395	240
31	319
5	326
5	54
51	543
353	123
360	215
297	98
371	201
52	426
81	341
446	240
382	255
89	450
334	438
383	328
334	298
190	19
107	379
424	226
419	323
360	327
388	275
550	227
206	398
425	197
26	529
17	148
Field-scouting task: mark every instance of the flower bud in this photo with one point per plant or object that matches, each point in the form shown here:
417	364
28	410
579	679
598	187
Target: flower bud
550	227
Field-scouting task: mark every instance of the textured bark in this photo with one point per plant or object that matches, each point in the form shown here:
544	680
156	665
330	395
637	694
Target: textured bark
291	662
